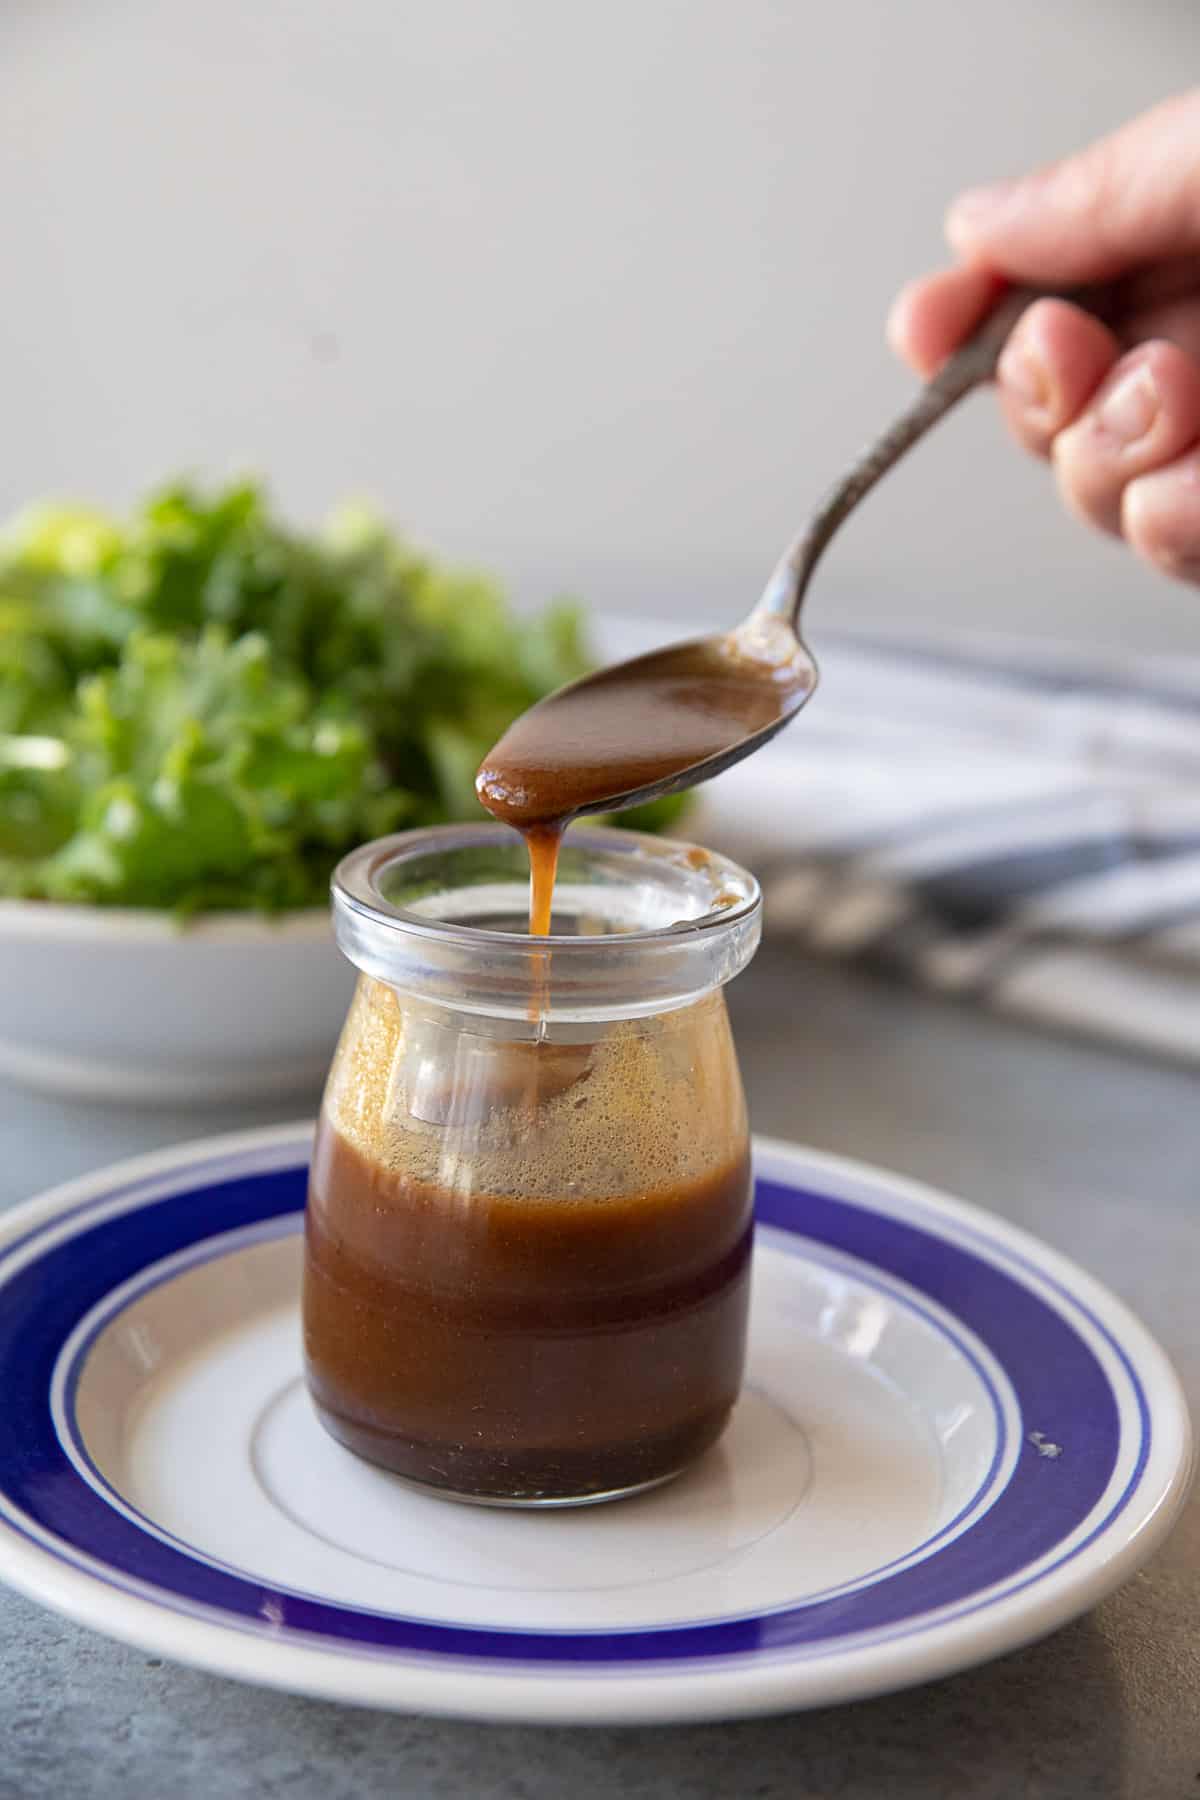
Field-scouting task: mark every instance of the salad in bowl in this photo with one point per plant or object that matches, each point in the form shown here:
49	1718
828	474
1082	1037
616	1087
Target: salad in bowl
201	710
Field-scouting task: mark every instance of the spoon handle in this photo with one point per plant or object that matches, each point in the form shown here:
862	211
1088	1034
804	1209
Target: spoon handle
974	363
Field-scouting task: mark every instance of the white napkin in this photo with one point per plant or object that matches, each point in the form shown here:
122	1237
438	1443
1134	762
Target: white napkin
1015	825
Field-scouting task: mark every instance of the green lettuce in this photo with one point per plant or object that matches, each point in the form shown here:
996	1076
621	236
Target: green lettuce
202	708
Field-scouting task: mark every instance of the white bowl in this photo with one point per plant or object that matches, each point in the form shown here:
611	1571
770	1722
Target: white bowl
116	1004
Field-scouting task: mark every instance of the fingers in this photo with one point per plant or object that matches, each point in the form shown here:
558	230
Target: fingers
1160	517
1131	198
1051	366
1178	321
1123	429
1144	415
1128	205
932	316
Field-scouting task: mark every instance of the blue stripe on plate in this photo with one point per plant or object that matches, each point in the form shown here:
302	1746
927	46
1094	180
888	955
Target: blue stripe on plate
231	1244
1059	1382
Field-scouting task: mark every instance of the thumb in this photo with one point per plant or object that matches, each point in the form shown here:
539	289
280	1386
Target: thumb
1129	199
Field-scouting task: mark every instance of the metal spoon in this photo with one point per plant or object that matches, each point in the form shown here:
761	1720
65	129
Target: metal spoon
767	645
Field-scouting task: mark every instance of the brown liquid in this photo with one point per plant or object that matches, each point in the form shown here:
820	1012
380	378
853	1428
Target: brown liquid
629	726
543	848
518	1346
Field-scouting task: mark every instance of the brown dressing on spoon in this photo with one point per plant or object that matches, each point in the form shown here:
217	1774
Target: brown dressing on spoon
598	744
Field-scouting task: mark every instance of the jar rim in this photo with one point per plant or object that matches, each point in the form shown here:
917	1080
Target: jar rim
355	883
603	973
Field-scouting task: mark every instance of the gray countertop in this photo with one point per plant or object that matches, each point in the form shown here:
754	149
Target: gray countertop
1095	1151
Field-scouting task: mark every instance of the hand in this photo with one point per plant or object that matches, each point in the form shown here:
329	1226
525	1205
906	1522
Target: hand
1120	424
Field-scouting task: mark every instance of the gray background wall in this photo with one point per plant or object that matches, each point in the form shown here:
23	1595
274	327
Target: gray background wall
591	292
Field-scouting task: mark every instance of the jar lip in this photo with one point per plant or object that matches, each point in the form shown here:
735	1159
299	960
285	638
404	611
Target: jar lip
356	880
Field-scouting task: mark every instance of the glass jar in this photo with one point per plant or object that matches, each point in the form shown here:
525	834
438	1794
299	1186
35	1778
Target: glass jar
529	1220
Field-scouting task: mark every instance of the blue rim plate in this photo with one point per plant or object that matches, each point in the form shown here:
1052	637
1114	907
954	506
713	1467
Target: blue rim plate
1051	1457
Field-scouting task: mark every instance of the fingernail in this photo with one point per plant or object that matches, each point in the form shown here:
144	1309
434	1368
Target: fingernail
1024	375
1160	514
1130	407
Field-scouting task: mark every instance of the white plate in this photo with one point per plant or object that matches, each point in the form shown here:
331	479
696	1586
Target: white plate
951	1441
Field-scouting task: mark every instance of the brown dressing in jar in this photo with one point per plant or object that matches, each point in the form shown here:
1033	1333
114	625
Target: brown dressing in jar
537	1348
529	1300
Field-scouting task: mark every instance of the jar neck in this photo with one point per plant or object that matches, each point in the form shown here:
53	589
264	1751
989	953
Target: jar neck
641	925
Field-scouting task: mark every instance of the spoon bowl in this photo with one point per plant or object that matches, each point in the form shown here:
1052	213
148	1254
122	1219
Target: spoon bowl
651	726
